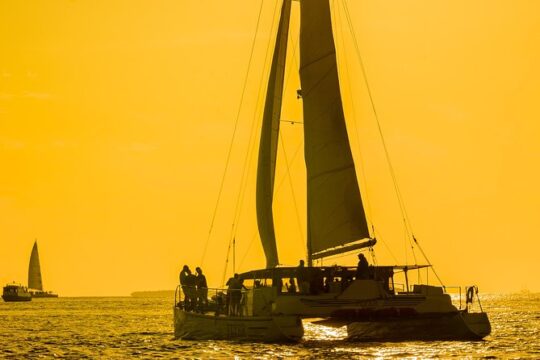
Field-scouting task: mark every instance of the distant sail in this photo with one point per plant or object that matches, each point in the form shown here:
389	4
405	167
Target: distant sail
269	141
34	270
335	212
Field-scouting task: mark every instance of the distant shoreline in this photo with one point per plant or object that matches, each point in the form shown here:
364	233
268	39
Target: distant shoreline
153	293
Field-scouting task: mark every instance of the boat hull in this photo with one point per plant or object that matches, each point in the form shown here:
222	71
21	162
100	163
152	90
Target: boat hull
16	298
16	293
44	295
193	326
453	326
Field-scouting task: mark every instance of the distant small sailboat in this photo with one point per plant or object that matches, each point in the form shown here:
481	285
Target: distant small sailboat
35	282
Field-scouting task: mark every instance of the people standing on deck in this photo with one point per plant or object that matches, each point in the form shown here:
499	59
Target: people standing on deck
230	289
242	306
362	272
228	302
302	278
184	283
202	290
234	295
191	282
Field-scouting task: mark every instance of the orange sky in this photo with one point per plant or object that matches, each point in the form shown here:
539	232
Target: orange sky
116	118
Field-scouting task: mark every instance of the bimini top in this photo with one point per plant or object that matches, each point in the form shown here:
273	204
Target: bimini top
337	271
13	285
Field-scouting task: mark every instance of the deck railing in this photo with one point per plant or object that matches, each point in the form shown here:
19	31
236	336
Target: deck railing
454	291
231	302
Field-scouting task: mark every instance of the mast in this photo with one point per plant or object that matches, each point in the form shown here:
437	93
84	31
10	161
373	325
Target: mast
269	141
335	214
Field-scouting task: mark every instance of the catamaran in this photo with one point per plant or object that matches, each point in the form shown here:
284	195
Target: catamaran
372	305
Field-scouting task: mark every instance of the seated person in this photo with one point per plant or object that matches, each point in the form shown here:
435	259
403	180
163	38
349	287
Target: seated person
291	286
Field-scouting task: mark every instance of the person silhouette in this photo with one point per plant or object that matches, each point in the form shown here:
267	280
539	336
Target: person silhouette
202	290
362	271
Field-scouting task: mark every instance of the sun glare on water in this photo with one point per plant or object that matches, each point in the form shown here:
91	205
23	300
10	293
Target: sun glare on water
317	332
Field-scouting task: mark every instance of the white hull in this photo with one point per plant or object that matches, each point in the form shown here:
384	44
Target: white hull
427	314
456	326
193	326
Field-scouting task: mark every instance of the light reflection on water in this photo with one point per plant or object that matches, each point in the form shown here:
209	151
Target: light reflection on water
142	328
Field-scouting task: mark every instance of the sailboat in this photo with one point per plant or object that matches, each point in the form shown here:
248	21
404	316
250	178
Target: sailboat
368	301
35	282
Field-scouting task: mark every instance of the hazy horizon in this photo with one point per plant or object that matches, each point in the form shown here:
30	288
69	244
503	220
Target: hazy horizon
116	119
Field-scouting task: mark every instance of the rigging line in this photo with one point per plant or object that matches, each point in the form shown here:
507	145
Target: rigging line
251	141
248	248
293	158
400	198
413	253
357	133
277	189
355	122
429	262
407	224
373	107
249	153
292	188
405	247
234	133
372	253
293	55
226	264
379	237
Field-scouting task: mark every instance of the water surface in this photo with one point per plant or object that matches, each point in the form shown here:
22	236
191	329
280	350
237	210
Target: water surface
127	327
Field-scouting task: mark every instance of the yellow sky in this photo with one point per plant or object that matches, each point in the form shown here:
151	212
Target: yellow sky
116	118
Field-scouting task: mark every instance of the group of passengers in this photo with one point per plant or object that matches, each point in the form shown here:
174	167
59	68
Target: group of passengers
308	281
232	302
195	289
313	281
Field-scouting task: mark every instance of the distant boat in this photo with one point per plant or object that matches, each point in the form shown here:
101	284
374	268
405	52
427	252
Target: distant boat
15	292
153	294
35	282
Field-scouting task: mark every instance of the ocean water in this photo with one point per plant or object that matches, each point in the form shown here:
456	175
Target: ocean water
126	327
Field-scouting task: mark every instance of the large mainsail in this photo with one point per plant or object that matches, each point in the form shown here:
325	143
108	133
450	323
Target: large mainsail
269	141
34	270
335	212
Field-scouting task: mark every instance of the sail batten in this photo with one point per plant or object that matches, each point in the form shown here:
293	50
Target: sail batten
269	141
344	249
332	171
335	212
304	66
34	270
